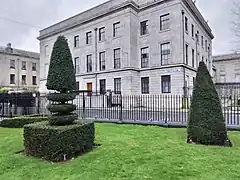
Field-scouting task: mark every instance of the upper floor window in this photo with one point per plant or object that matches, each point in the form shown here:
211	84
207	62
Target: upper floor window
164	22
145	85
89	37
186	24
116	29
144	28
192	30
89	63
76	41
102	34
117	58
24	65
144	57
202	42
165	53
34	66
12	64
102	61
193	58
197	36
186	55
77	65
206	44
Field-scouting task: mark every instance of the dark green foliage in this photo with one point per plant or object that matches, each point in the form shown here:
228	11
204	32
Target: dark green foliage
61	120
206	124
19	122
58	141
61	108
63	97
61	75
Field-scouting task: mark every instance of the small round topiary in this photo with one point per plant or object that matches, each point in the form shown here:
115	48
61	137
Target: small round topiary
61	108
62	120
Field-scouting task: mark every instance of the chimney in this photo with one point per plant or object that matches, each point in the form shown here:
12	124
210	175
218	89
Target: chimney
9	48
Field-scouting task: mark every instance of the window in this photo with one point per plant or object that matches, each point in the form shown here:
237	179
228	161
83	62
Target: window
34	80
12	78
164	22
77	85
102	86
102	34
77	65
192	30
46	50
76	41
202	42
144	27
186	24
165	53
46	70
24	82
194	79
12	64
197	36
89	63
102	59
186	54
116	29
206	44
117	58
34	66
193	58
144	57
145	85
202	59
117	85
166	84
89	37
24	65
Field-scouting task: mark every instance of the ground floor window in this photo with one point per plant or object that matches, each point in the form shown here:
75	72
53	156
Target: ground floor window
166	84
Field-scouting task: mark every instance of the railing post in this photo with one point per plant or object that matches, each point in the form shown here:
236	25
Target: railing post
121	110
83	116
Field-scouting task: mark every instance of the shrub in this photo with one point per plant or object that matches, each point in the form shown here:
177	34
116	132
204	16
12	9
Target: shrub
61	74
58	143
61	108
61	120
206	124
19	122
63	97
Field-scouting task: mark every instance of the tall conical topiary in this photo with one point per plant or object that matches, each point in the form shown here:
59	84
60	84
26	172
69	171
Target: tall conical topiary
61	75
61	78
206	124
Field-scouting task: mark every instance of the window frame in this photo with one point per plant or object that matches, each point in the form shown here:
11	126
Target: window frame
77	65
163	60
117	85
89	37
89	63
102	90
101	34
34	66
34	79
12	64
102	61
24	65
145	87
24	80
165	22
116	29
117	58
145	60
186	54
144	28
76	41
166	84
14	79
186	24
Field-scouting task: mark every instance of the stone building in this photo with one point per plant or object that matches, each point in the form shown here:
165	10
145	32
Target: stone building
133	46
19	69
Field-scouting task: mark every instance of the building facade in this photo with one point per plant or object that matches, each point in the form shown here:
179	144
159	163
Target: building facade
133	46
227	76
19	69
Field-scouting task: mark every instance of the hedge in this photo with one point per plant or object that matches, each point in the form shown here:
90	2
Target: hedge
19	122
58	143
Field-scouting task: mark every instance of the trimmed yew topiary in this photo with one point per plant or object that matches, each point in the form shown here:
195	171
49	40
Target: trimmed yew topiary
206	124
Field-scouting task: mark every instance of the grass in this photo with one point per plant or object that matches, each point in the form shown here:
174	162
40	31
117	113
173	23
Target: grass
127	153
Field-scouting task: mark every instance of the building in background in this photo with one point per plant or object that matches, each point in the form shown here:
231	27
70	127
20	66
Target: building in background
227	73
133	46
19	69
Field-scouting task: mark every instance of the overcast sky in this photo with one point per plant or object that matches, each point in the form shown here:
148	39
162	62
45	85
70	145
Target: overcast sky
42	13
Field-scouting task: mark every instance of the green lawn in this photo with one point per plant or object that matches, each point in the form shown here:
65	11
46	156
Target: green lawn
127	152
